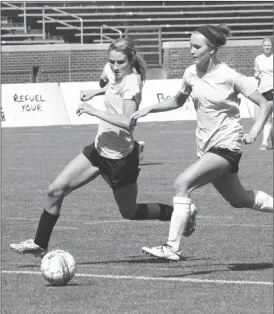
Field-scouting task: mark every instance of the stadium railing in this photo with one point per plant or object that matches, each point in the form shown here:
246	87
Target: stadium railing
82	22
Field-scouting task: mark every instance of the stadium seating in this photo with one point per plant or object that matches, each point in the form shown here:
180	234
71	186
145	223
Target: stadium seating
149	22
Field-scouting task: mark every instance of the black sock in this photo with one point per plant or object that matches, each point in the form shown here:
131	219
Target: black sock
165	212
44	230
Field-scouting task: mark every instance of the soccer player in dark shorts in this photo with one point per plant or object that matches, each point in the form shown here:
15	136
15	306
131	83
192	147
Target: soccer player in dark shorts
214	88
114	154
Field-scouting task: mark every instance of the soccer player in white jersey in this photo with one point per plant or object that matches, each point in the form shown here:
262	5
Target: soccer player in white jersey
264	75
113	155
108	77
214	88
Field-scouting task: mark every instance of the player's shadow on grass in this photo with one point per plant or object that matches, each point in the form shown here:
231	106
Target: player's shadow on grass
226	268
71	285
149	260
132	260
249	266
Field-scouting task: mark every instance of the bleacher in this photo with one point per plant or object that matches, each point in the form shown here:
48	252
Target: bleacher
149	22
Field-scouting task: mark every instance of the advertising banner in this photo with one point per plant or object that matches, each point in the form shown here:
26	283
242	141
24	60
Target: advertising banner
32	105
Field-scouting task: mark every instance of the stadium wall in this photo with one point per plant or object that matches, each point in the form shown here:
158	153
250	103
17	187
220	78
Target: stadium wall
77	63
44	104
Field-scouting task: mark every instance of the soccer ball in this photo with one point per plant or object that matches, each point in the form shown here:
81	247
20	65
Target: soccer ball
58	267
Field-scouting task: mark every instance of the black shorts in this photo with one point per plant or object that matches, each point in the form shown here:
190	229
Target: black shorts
268	95
120	172
232	157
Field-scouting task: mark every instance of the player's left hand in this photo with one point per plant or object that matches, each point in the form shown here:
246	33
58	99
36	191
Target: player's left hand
84	108
249	138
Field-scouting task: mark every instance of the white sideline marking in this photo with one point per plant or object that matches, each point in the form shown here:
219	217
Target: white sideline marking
96	222
234	282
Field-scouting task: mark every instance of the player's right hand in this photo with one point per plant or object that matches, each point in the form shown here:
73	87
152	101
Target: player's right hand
140	113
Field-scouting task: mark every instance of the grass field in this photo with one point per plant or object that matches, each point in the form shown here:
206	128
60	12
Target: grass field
227	265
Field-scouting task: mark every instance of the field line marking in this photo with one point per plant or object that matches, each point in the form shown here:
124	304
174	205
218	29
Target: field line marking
193	280
95	222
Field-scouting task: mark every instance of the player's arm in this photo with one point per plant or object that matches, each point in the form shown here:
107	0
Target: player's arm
88	94
265	109
166	105
121	120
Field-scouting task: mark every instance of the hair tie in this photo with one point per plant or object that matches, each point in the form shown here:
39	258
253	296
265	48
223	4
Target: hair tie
207	33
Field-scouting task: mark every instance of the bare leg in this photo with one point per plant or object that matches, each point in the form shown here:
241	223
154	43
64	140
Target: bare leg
203	171
77	173
126	199
230	187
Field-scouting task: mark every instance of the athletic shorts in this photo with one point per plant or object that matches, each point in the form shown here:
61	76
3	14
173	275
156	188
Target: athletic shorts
232	157
268	95
120	172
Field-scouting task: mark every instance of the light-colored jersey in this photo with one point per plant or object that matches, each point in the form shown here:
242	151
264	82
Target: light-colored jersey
107	74
264	65
112	141
215	97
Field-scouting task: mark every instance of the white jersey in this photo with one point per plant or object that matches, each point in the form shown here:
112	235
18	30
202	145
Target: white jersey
215	97
264	65
112	141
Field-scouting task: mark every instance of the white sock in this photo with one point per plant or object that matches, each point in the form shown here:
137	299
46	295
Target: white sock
263	202
181	212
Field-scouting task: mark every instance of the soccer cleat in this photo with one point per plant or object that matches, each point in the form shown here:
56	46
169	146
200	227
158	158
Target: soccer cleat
263	147
164	251
141	150
191	223
28	247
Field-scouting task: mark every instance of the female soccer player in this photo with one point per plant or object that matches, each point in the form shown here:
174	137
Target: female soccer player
264	75
214	87
114	154
108	77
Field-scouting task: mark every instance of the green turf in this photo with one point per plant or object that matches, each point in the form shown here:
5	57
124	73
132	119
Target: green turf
229	245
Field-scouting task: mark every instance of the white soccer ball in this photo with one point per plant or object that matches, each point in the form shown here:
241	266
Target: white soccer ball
58	267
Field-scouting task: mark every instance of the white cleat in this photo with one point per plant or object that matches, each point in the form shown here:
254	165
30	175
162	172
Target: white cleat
28	247
141	150
164	251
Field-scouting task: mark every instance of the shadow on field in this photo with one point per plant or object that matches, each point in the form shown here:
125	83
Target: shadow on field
249	266
151	260
136	260
225	268
72	285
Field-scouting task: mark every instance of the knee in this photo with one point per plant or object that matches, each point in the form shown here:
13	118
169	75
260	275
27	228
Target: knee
127	215
55	192
181	187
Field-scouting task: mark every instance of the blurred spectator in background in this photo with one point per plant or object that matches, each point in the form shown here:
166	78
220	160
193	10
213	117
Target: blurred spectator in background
264	75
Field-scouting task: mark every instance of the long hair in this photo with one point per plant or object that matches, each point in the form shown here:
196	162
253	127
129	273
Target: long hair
126	46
